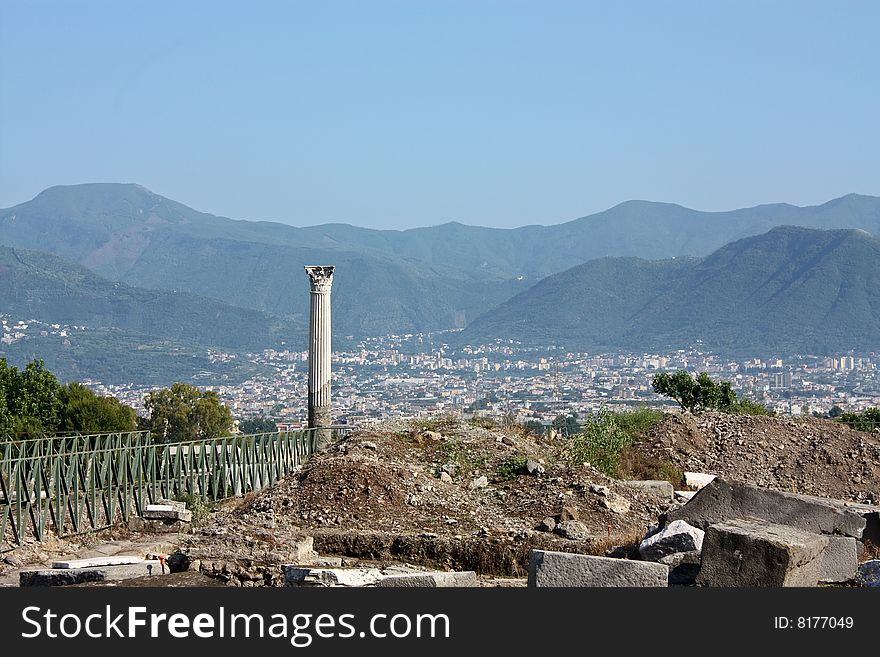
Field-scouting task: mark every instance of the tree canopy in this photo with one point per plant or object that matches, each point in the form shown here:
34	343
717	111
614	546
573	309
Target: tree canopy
703	394
33	402
183	412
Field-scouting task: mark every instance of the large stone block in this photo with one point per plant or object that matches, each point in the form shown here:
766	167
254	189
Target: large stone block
67	576
721	500
562	569
430	580
752	552
840	560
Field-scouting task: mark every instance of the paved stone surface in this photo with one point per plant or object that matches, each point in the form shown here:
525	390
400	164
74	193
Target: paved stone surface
562	569
742	553
430	580
722	500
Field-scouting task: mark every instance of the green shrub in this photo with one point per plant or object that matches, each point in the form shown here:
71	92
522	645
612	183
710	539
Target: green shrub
607	437
201	507
867	421
512	468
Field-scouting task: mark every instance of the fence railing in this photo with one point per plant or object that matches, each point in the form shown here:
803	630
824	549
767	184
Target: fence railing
78	484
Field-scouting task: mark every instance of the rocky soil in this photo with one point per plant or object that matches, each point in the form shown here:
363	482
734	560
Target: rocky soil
802	455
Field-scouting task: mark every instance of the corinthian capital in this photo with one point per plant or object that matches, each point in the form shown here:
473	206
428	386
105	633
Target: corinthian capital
320	277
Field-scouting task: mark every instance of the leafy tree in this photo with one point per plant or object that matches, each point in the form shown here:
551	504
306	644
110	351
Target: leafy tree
702	393
567	424
261	424
183	412
31	398
835	411
86	412
535	427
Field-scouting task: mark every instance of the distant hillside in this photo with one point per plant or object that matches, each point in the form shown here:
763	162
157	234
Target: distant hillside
388	281
789	290
45	287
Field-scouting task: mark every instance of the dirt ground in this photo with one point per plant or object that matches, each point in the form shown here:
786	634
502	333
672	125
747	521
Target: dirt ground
448	494
802	455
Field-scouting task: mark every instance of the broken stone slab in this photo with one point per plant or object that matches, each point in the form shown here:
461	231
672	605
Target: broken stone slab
68	576
721	501
437	579
698	480
751	552
180	506
840	560
869	574
573	530
676	537
658	488
331	577
684	495
166	512
96	562
563	569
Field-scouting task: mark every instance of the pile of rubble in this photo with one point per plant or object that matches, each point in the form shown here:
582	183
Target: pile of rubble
736	535
805	455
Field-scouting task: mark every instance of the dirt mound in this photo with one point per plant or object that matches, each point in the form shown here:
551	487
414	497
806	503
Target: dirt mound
804	455
450	494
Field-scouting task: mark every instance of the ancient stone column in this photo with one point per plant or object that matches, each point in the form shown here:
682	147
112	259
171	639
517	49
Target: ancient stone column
321	279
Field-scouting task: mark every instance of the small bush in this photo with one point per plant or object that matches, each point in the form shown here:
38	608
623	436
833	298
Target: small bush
867	421
606	436
201	507
512	468
749	407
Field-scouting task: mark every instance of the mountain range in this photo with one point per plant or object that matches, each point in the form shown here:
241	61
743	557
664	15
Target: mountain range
421	279
639	275
790	290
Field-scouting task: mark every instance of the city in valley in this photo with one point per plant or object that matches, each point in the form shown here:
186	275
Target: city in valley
409	376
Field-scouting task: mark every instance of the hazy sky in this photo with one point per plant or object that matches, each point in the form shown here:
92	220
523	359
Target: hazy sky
399	114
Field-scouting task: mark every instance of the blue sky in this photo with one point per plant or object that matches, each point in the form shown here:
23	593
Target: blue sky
400	114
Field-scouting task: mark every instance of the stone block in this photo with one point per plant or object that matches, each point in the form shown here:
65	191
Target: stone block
166	512
96	562
840	560
721	501
698	480
68	576
676	537
756	553
466	578
331	577
562	569
658	488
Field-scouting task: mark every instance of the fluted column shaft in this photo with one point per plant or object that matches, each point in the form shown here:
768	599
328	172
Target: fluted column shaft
320	416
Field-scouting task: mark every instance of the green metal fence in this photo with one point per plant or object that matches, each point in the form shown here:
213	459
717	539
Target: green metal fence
71	485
